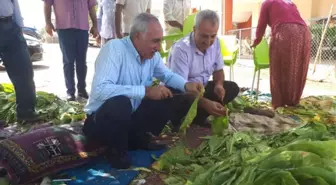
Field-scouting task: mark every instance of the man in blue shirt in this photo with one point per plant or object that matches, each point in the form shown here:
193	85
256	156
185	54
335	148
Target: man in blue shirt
124	109
15	57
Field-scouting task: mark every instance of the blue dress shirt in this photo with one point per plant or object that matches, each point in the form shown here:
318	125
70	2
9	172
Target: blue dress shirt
119	71
7	8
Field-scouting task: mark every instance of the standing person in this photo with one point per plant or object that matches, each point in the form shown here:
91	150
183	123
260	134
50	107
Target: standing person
15	57
72	27
128	10
175	11
289	50
107	14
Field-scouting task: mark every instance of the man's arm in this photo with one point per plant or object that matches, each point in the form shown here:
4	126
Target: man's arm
17	14
218	76
168	16
119	7
47	11
107	72
166	76
92	12
149	6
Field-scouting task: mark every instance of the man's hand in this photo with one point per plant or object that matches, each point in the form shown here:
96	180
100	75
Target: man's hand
119	35
94	31
214	108
220	92
158	92
194	88
50	29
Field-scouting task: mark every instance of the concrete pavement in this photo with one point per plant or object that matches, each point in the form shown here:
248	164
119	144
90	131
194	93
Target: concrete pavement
49	74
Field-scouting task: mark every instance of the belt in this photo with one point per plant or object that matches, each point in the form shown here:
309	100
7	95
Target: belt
6	19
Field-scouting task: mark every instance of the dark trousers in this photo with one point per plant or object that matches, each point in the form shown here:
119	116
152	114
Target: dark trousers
74	45
116	126
231	92
15	56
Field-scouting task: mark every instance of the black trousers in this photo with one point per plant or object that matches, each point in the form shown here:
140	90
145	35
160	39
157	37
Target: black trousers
15	56
231	92
116	126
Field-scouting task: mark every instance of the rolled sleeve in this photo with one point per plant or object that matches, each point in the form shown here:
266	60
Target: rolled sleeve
219	57
92	3
178	62
167	11
168	77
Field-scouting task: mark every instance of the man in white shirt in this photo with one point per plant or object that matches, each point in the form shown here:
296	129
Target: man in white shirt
106	14
175	11
129	10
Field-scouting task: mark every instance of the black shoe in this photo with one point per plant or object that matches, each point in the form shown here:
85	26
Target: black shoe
83	94
118	160
30	117
71	97
3	172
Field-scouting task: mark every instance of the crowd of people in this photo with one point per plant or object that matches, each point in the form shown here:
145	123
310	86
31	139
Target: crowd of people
124	110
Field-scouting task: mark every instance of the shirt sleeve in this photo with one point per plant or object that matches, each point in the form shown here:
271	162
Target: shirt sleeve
168	77
178	62
262	23
219	58
107	72
168	11
17	14
92	3
122	2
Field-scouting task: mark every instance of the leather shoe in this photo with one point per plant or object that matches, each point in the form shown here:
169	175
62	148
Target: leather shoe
83	94
71	97
30	117
118	160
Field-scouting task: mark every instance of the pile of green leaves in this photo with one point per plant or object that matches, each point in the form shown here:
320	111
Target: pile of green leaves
302	156
49	106
313	108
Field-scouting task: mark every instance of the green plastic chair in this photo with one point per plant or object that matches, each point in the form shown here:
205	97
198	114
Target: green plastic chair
229	50
188	26
261	61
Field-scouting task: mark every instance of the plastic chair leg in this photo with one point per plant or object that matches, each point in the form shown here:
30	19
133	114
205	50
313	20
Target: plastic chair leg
258	84
253	82
232	72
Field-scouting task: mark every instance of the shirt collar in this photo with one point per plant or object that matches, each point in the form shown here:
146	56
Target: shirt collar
193	43
132	48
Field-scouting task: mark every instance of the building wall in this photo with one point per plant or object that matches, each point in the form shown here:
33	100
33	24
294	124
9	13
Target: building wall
254	8
321	8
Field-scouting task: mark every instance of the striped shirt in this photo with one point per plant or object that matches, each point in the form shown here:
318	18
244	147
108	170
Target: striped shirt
72	13
7	8
119	71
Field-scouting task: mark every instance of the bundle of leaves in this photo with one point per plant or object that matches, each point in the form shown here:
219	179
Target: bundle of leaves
49	106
